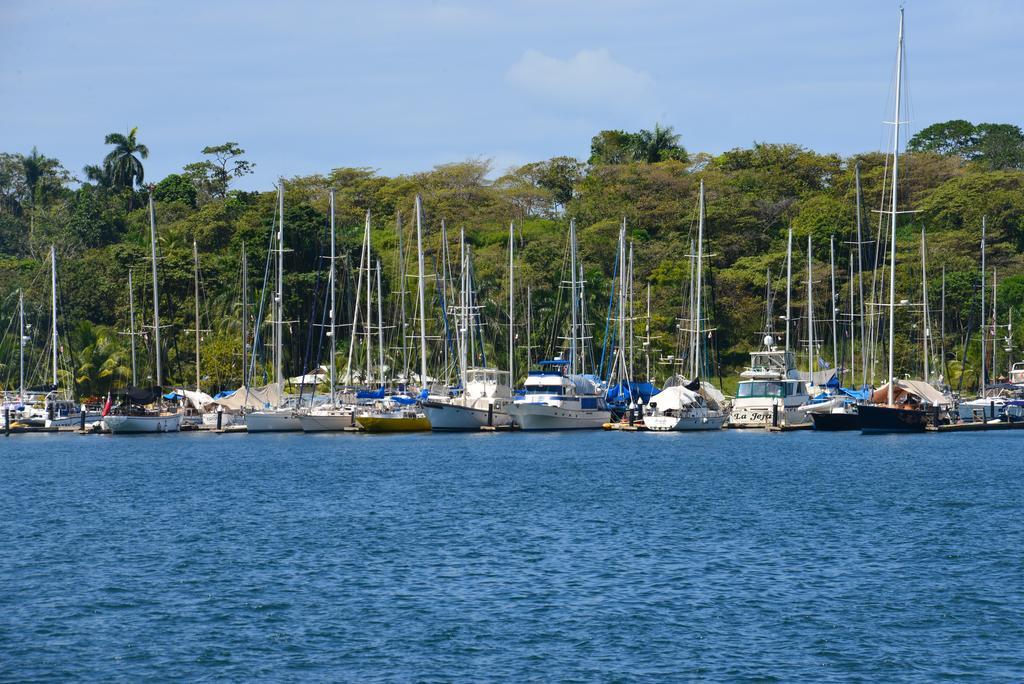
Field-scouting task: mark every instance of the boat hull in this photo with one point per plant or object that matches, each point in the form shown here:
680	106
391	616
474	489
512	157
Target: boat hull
390	424
683	423
227	419
761	416
327	422
126	425
272	421
547	417
891	419
836	422
452	417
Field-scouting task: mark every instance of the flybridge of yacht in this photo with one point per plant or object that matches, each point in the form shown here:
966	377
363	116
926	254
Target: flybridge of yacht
550	366
771	361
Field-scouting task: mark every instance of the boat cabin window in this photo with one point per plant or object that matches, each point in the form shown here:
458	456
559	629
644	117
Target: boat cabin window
544	389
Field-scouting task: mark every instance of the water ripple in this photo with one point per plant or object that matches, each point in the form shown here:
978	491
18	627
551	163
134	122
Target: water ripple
611	557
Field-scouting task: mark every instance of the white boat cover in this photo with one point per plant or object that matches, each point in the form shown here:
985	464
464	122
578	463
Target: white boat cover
197	400
674	398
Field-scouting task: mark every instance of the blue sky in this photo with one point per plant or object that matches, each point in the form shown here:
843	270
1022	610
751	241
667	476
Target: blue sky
400	86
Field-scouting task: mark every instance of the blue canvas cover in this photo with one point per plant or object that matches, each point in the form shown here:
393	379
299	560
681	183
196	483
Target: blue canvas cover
862	394
622	394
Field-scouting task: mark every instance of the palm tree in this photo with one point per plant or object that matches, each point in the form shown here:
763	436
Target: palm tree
100	175
657	145
121	164
38	169
101	359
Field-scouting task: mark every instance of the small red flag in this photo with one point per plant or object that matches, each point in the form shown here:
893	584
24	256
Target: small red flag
106	407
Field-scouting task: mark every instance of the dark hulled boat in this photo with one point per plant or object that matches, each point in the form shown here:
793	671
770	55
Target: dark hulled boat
880	419
836	421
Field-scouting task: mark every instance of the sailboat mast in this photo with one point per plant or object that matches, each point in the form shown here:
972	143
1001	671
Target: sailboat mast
925	320
156	290
893	214
860	279
463	329
380	326
423	311
511	302
832	268
853	358
789	282
995	327
622	374
369	288
334	288
647	337
630	299
981	392
810	311
195	274
21	346
401	295
942	324
529	327
131	323
245	318
53	308
572	289
691	327
279	323
355	313
698	357
445	258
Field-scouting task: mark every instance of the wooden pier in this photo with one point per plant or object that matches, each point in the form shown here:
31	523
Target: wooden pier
979	426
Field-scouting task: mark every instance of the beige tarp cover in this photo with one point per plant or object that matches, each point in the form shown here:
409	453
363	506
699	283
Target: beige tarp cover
921	391
251	398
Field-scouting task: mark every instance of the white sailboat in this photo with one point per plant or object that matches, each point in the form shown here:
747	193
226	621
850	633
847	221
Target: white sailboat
698	405
55	408
332	416
282	416
401	414
560	395
131	414
485	393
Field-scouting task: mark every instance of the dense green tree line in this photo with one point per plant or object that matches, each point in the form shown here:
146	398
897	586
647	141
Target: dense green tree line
954	174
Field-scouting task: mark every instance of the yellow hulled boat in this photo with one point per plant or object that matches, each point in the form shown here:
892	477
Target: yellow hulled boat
398	420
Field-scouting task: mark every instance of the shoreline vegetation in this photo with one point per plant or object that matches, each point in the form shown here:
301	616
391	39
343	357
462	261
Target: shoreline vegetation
953	174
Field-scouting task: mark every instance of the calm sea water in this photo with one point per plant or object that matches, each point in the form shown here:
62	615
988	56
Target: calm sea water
553	557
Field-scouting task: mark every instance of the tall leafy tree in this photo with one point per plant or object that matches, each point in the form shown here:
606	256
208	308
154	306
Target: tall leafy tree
611	147
1000	146
212	177
956	137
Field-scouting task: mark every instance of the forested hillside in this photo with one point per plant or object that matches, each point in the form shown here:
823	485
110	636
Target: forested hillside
954	175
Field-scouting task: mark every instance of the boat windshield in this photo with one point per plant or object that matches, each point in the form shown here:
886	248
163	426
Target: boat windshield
761	389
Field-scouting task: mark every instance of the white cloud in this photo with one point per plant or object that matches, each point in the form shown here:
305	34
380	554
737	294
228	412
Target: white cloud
589	76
